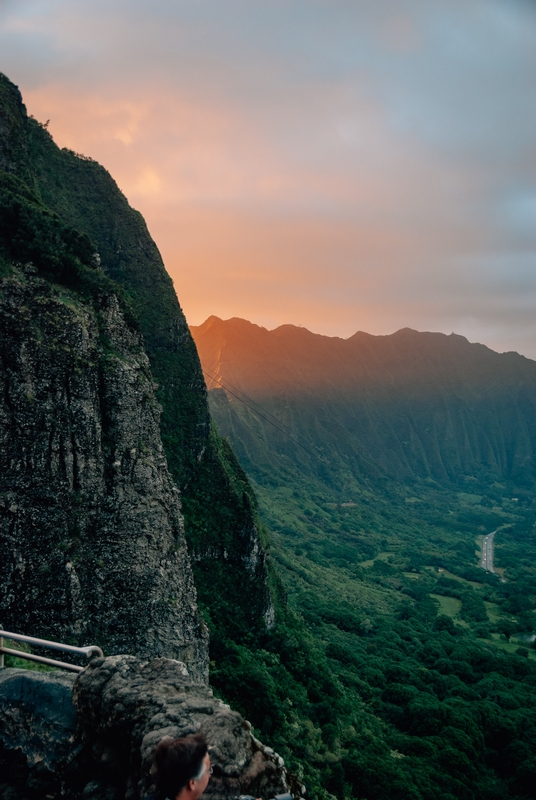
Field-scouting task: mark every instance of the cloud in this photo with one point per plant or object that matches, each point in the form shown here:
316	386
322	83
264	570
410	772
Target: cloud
336	163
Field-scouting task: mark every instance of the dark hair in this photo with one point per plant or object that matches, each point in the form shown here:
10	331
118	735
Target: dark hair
177	761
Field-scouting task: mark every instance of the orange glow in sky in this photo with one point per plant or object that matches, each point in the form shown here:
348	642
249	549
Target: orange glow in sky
350	166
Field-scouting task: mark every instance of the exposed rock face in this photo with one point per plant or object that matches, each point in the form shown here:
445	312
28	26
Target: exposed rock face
91	542
221	520
102	746
37	732
128	706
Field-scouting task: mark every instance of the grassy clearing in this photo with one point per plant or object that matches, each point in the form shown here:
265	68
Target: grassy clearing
300	575
453	577
380	557
22	663
450	606
508	647
466	499
493	611
462	623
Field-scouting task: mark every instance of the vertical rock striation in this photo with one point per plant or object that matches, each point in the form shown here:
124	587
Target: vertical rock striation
91	534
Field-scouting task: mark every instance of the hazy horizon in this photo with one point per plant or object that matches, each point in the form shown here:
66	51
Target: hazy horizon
344	338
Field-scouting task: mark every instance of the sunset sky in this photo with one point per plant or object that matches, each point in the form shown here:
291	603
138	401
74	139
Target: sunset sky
339	164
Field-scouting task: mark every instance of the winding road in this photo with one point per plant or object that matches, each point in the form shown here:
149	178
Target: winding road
486	562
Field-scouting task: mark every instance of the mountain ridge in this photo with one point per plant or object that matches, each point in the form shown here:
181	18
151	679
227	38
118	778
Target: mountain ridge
361	346
427	405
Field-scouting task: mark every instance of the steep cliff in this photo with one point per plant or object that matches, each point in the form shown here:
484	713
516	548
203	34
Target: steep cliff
219	508
92	544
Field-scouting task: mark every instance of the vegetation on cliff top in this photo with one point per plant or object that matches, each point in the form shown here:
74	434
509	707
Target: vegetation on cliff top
30	233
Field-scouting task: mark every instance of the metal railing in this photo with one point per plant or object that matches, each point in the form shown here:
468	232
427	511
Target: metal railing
91	650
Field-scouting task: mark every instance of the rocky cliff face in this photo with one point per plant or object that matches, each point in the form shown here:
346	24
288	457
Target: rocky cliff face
94	737
65	214
91	534
219	508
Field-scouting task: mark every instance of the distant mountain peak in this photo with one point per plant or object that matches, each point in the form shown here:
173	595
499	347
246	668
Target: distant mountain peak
239	324
407	404
293	358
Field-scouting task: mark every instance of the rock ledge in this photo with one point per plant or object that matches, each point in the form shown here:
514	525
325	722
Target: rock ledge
94	738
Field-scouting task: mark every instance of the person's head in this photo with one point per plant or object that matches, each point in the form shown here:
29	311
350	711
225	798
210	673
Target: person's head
182	764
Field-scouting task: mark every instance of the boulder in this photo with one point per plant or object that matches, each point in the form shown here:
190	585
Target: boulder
127	706
37	732
93	737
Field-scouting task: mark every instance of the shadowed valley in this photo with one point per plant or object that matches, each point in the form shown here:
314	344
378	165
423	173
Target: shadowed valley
380	463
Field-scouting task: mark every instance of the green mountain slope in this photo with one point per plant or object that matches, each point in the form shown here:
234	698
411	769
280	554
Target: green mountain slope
379	463
410	405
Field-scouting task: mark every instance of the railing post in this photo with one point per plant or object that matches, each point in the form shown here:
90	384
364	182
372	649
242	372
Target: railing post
1	645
